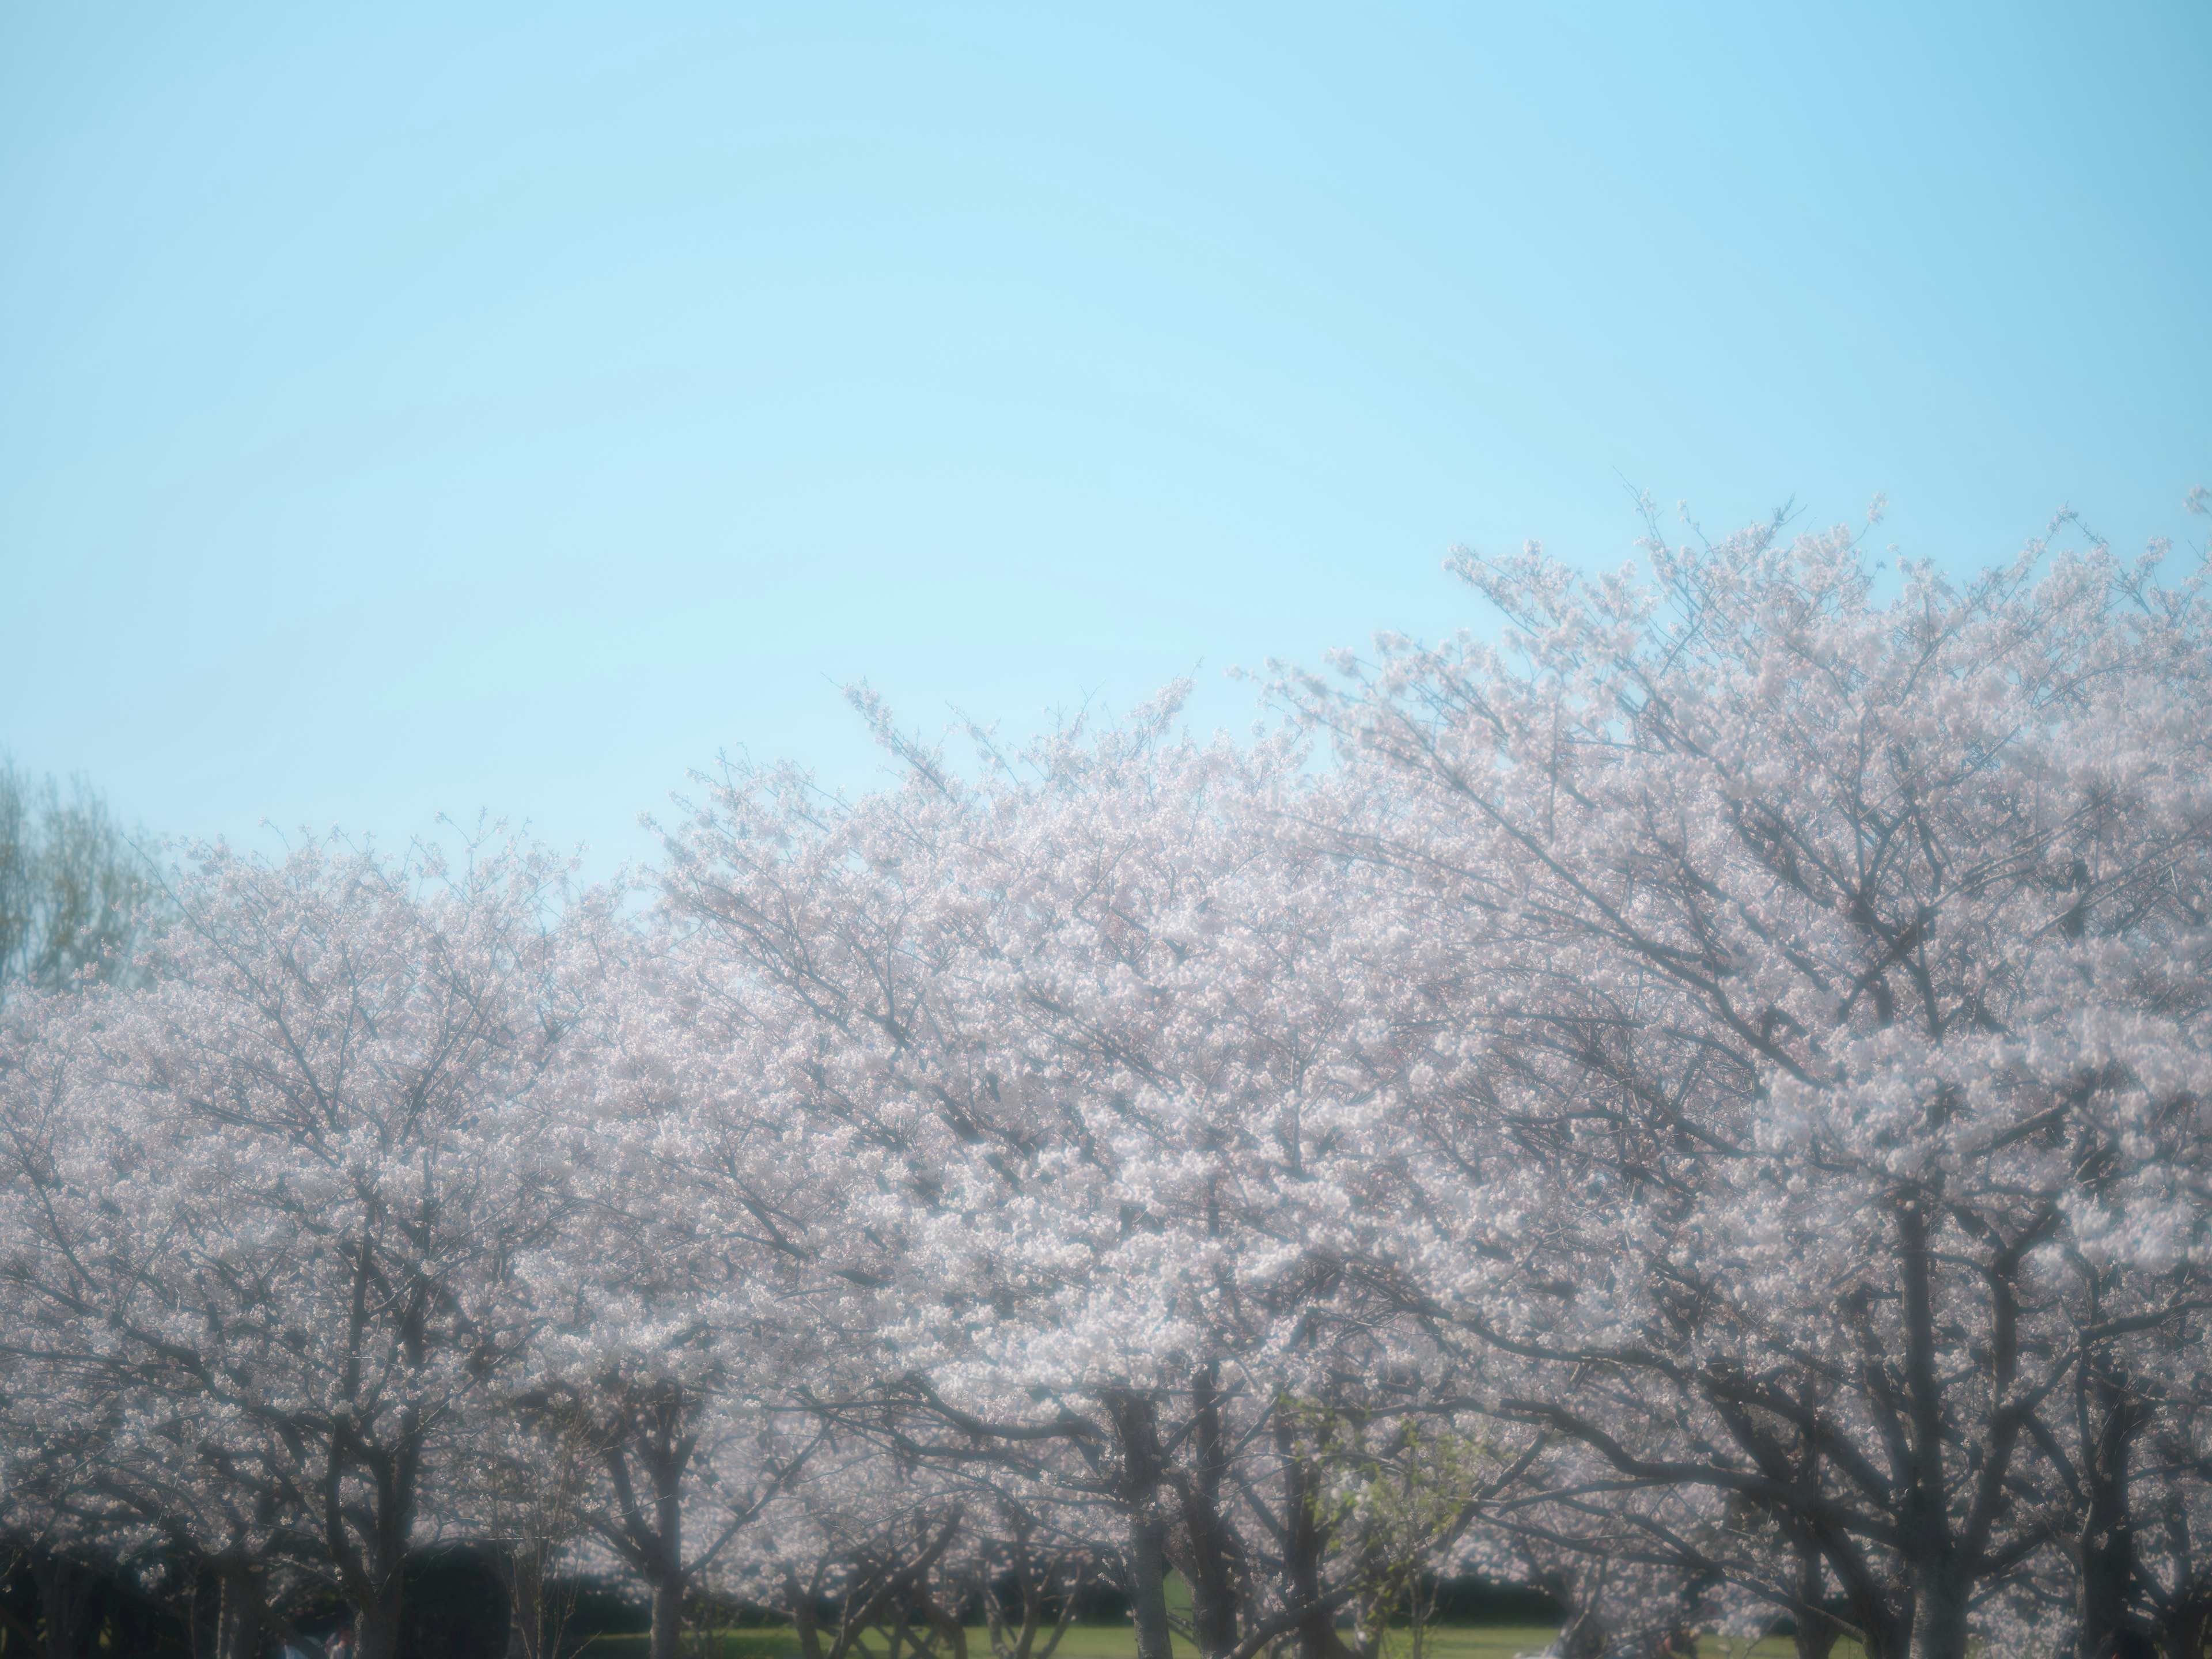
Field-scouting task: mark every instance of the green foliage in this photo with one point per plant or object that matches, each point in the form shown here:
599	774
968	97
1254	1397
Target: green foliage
75	895
1397	1490
1402	1481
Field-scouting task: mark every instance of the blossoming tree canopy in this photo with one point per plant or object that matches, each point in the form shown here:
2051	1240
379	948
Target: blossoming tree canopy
274	1198
1699	1103
1828	1069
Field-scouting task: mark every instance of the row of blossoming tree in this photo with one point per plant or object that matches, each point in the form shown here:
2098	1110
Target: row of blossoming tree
1700	1104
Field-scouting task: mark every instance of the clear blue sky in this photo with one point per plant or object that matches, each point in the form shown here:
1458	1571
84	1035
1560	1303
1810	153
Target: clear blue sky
406	412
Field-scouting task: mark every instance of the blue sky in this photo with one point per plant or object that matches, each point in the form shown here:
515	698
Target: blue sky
405	412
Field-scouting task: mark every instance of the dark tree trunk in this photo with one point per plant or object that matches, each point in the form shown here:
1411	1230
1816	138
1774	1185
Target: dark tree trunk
648	1531
668	1451
242	1612
373	1559
1147	1586
1305	1541
2104	1551
526	1602
377	1631
1815	1637
65	1590
1939	1618
1939	1599
946	1623
803	1616
667	1617
2186	1627
1211	1568
1136	1426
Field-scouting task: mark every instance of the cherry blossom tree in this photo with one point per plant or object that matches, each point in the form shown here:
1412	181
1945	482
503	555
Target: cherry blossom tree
1701	1101
697	1285
289	1184
1087	1024
869	1545
1818	1095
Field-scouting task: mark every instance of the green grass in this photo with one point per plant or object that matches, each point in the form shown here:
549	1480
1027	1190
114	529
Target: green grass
1119	1642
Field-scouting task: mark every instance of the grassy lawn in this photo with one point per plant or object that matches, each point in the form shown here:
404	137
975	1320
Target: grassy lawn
1119	1642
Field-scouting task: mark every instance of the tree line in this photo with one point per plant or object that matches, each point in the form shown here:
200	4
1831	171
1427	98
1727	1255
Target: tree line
1699	1103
